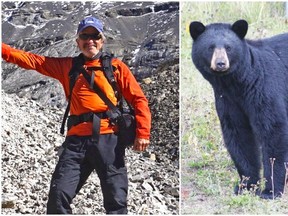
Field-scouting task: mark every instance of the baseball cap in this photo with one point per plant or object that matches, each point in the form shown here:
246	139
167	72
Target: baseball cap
90	21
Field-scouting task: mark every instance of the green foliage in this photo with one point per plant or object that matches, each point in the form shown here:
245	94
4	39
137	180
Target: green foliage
245	200
207	171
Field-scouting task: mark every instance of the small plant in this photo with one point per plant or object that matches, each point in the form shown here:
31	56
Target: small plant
243	184
246	199
286	176
272	160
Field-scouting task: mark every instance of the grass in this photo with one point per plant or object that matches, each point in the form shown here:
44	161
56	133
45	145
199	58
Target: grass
208	175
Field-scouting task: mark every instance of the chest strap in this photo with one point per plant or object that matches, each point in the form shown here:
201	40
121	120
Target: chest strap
95	118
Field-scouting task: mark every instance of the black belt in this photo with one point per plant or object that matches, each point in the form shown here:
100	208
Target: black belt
88	117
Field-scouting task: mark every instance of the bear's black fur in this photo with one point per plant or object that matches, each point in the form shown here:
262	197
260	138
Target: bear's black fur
250	83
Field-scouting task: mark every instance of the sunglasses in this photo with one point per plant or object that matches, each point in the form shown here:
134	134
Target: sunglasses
90	36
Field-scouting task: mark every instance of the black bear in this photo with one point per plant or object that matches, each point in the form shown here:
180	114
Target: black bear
250	83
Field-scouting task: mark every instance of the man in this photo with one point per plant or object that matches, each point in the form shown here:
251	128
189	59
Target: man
82	154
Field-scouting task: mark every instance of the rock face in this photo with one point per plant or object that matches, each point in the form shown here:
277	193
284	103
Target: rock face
142	34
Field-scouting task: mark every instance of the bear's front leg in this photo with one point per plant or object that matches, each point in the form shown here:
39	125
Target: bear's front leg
240	142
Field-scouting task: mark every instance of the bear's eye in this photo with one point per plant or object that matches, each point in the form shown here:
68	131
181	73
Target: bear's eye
228	48
211	48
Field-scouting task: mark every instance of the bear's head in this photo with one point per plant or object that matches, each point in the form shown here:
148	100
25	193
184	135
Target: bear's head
218	48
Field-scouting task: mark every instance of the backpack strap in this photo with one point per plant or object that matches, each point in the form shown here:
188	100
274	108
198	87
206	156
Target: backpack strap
109	69
77	62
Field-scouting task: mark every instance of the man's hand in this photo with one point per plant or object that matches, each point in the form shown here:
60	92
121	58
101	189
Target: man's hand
140	144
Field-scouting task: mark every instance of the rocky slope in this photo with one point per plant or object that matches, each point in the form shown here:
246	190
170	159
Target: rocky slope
145	36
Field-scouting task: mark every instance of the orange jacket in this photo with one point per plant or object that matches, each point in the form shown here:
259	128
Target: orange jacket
85	99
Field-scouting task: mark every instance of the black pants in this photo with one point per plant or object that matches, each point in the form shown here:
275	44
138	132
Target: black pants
79	158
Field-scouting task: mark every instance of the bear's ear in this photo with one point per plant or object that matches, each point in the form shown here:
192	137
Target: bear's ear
240	27
196	29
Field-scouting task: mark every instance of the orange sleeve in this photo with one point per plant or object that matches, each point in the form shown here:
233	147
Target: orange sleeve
49	66
5	51
133	93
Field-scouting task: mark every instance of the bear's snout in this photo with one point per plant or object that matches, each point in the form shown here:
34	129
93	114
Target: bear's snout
219	61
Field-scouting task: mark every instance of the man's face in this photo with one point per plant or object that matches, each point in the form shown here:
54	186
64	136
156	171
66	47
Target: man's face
89	42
